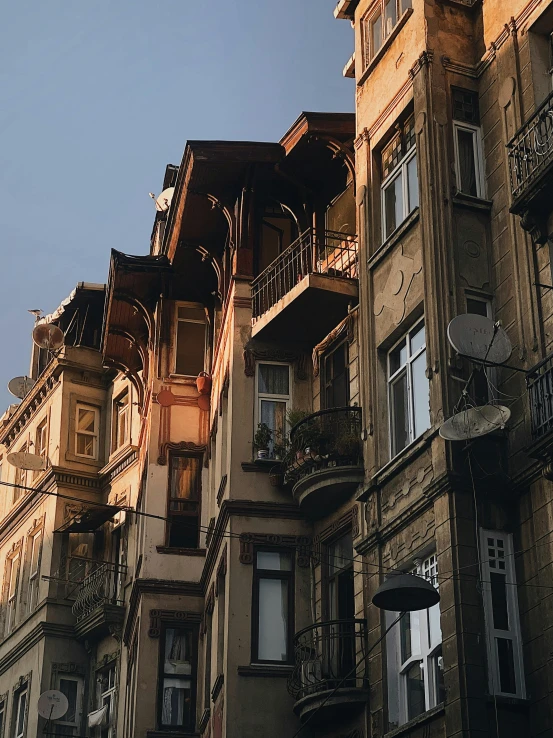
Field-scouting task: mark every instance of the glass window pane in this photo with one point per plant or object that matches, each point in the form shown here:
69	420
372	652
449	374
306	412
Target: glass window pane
85	445
340	555
506	663
178	652
376	33
438	676
499	601
86	420
192	313
21	707
398	357
69	688
190	348
477	307
390	14
184	479
434	629
400	414
415	690
413	184
177	701
274	561
421	395
273	620
273	414
417	339
393	205
405	637
466	141
405	4
274	379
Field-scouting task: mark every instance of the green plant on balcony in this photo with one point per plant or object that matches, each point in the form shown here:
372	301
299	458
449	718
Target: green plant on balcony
280	445
348	441
262	440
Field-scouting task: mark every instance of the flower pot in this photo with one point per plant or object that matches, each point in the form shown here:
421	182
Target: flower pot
263	453
276	478
203	383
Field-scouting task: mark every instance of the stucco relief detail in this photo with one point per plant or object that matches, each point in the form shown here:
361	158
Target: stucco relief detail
404	545
302	545
393	296
172	617
410	487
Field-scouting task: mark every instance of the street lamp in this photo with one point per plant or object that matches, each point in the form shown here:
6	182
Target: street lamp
403	592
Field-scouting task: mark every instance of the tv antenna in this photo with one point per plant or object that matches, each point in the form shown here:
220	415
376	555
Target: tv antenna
52	705
474	422
163	201
21	386
27	461
479	339
48	336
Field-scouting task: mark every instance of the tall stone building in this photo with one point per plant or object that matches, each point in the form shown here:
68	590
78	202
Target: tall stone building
241	431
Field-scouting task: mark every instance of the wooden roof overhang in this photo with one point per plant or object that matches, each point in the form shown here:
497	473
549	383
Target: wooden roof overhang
134	286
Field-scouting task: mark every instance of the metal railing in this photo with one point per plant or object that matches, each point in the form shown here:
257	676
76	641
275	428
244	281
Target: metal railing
103	586
331	253
531	149
329	438
325	653
539	382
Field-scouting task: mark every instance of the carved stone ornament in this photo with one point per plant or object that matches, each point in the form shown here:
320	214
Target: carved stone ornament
170	617
535	226
262	352
393	296
169	446
301	543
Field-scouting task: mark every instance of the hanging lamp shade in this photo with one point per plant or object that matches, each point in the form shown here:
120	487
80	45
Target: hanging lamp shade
402	592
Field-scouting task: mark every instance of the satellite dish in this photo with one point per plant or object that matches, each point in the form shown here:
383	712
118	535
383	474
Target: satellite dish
27	461
479	338
474	422
52	704
21	386
163	201
48	336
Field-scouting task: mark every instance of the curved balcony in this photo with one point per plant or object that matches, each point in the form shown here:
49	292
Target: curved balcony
325	461
99	604
328	654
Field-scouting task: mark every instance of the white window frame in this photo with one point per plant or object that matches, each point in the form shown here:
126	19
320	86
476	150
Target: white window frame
34	575
23	692
259	396
178	320
400	170
492	634
21	477
392	378
79	700
110	692
428	654
95	435
120	413
13	591
41	441
477	151
380	7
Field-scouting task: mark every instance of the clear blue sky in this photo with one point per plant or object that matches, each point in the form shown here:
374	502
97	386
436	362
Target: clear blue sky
97	97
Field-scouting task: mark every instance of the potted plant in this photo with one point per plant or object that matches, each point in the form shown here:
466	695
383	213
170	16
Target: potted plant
262	440
276	476
280	445
348	442
203	383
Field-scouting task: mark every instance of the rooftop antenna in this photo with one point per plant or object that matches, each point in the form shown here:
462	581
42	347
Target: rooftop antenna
36	312
48	336
163	201
474	422
27	461
20	386
52	705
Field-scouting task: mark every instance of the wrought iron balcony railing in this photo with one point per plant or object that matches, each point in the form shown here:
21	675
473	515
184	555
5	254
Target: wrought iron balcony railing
539	381
531	149
331	253
103	586
325	654
323	440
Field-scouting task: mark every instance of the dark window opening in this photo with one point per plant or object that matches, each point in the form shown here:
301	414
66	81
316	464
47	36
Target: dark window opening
184	501
335	377
177	689
273	606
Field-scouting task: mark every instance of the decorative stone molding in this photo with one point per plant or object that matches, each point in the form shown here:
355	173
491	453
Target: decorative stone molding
253	353
424	60
535	226
170	617
69	668
300	543
169	446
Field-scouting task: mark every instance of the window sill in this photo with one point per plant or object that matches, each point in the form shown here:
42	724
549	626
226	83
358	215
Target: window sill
392	240
385	46
181	379
265	670
260	465
518	702
181	551
415	722
472	203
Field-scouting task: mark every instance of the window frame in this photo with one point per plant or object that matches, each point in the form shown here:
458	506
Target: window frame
183	303
79	679
327	381
11	601
478	157
261	396
41	435
193	630
33	583
400	170
392	379
282	575
513	634
116	415
95	435
23	691
107	731
3	713
379	8
184	514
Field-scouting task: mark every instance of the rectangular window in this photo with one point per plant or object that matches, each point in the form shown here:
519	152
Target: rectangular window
177	695
185	474
400	183
414	657
2	716
335	377
190	340
273	606
505	667
35	551
467	140
87	428
480	390
106	700
120	429
41	441
208	659
380	23
273	399
408	390
21	478
13	588
221	621
72	687
19	715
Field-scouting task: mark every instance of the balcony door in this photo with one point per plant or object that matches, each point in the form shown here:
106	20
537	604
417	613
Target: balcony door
335	376
340	608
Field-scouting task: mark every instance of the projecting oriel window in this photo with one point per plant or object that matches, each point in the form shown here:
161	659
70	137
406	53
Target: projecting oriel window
273	397
379	23
190	340
87	428
273	606
400	182
120	430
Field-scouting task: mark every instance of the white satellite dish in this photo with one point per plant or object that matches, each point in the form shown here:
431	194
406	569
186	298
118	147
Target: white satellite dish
21	386
52	704
48	336
27	461
163	201
475	422
479	338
